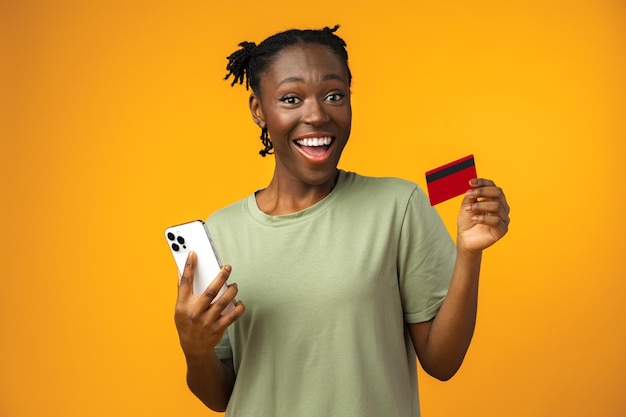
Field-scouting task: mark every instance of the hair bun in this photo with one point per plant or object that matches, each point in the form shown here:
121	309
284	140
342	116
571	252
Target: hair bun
238	62
247	49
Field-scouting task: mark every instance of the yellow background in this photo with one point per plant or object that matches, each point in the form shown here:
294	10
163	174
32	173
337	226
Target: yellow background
115	123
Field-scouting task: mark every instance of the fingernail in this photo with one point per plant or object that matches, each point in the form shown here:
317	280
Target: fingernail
468	207
470	193
227	268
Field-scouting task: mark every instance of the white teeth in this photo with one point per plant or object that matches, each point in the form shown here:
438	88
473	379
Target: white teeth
325	141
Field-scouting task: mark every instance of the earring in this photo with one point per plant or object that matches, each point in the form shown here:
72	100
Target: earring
267	143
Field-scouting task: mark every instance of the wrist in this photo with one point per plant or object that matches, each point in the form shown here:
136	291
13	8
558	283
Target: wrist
467	255
463	250
201	359
468	264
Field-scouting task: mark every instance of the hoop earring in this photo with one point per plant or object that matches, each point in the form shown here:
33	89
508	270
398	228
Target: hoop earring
267	143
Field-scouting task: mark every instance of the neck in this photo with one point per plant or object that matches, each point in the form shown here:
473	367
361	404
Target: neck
284	197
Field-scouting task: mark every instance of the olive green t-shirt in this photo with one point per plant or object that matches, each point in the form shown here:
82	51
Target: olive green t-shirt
328	291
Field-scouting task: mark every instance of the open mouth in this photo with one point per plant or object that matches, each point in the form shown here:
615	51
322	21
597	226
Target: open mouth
315	148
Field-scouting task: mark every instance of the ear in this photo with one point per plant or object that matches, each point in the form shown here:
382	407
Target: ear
255	109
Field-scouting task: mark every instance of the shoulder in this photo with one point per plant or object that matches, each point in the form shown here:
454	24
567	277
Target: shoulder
229	214
355	179
379	187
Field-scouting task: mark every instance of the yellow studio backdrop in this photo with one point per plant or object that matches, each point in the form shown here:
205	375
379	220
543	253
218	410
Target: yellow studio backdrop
115	123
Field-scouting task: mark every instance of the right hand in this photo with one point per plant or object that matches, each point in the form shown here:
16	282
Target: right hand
201	324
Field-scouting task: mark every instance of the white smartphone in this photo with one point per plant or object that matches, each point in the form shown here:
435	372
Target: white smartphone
194	236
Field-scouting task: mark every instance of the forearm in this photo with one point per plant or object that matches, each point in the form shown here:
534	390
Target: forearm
442	350
441	344
210	380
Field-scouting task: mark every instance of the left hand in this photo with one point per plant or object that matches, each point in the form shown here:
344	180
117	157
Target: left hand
484	216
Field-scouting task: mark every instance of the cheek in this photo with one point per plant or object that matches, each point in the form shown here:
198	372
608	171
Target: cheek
344	118
282	123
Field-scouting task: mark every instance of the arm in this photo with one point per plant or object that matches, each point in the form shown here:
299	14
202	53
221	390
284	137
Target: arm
200	328
441	343
211	380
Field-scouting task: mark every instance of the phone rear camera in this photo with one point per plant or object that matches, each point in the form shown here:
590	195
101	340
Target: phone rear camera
180	240
171	236
175	247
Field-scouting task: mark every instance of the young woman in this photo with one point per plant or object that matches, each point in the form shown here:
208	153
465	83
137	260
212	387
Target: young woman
345	278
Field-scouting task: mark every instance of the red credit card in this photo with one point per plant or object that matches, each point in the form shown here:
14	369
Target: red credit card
450	180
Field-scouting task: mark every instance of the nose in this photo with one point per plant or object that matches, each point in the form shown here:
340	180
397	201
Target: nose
315	114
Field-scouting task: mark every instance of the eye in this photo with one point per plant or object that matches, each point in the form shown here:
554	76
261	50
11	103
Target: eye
335	96
290	99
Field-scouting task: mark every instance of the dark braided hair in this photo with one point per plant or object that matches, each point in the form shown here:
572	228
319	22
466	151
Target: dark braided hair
251	60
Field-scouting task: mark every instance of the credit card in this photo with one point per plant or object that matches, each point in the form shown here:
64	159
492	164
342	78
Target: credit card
450	180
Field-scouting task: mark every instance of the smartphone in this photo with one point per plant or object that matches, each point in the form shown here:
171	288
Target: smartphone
194	236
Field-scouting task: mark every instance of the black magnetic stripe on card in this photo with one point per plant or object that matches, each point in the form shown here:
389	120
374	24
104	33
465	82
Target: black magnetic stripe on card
450	170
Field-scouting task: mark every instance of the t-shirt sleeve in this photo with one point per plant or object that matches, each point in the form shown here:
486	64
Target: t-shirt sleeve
426	259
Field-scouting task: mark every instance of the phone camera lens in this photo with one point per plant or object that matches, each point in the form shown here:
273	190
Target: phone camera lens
175	247
180	240
171	236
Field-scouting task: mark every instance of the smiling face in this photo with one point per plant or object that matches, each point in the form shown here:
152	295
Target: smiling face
304	101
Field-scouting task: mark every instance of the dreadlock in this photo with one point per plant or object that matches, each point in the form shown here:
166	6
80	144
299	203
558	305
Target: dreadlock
250	61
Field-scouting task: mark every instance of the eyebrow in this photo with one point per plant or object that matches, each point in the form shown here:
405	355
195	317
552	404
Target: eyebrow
327	77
